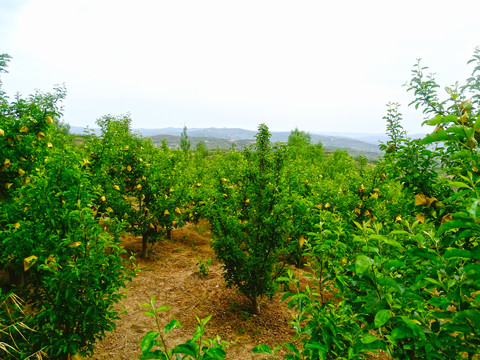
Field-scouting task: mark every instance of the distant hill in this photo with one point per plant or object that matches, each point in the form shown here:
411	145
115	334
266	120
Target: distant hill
222	138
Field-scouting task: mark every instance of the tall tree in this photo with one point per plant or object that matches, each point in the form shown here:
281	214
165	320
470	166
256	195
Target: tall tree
184	140
247	219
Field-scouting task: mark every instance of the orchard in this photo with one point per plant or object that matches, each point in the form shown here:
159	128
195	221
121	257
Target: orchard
391	248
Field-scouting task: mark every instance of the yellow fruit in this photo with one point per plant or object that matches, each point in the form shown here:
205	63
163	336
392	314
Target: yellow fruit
420	217
421	199
177	210
301	241
116	187
7	163
103	198
446	218
8	185
463	119
139	187
49	145
24	129
21	172
2	133
129	168
26	180
166	212
40	135
28	262
49	120
17	225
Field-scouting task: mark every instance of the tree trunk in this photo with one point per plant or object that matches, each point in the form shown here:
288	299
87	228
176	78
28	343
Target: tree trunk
144	245
16	277
169	234
255	305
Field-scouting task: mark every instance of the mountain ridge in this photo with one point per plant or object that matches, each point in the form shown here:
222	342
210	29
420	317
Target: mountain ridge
223	138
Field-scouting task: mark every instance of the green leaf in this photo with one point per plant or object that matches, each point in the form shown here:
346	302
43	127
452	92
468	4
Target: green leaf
369	338
393	243
401	332
458	184
170	326
363	264
287	295
213	353
454	252
471	314
188	348
460	130
399	232
262	349
292	348
472	209
162	308
457	224
461	154
439	119
204	321
413	325
440	135
148	341
382	317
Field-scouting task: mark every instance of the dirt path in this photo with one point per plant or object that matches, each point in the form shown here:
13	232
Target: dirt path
172	276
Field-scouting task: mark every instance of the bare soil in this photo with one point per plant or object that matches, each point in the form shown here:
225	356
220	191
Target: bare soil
171	275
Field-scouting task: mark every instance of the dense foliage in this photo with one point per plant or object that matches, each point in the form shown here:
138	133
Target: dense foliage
57	256
391	248
247	216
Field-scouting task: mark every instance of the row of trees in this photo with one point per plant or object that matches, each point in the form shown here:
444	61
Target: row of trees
392	248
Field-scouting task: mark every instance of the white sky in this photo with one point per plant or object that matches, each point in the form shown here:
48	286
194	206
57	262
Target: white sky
321	66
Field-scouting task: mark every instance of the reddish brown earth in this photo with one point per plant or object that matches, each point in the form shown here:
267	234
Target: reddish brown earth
172	276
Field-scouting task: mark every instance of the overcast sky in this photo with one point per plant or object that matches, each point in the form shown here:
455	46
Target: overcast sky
321	66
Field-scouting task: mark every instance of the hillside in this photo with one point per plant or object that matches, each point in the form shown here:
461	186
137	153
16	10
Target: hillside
223	138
